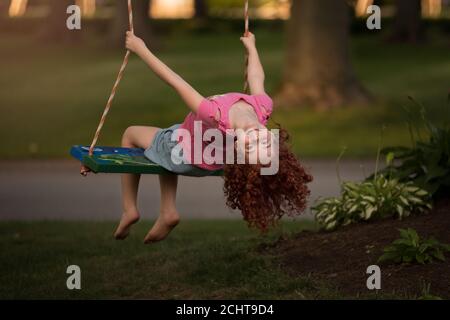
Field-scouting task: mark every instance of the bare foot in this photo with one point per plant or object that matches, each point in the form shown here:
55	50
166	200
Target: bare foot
128	219
162	227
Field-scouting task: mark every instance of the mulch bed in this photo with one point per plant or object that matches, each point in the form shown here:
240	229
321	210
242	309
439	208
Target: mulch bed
342	257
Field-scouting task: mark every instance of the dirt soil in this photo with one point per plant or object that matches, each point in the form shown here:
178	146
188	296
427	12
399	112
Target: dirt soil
341	258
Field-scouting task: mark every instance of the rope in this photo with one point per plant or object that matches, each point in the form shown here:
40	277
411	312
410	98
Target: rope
84	169
247	30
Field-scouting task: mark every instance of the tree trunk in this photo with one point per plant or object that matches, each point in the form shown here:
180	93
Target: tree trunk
407	22
55	29
201	9
318	71
142	23
3	14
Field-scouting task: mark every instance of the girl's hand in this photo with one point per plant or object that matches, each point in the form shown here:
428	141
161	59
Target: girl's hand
249	41
134	43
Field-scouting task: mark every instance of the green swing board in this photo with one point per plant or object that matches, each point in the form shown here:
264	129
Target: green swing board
119	160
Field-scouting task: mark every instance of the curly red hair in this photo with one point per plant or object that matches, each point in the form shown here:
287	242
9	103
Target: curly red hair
265	199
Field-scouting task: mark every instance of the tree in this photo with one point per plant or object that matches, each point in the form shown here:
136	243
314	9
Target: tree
318	69
55	29
141	18
201	9
407	22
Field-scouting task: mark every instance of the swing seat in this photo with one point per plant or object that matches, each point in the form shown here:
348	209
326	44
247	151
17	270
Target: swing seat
119	160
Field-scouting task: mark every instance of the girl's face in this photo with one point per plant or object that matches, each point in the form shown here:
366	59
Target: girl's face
255	145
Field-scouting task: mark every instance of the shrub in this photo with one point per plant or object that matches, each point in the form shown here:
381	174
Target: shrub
377	198
410	248
427	162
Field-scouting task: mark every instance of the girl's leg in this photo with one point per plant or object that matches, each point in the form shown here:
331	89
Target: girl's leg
134	137
168	217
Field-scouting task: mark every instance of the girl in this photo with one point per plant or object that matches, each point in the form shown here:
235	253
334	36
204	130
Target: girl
262	199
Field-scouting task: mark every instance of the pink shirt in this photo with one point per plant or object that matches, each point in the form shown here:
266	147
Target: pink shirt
213	113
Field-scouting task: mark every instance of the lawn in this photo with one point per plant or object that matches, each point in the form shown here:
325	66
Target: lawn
206	259
52	96
200	260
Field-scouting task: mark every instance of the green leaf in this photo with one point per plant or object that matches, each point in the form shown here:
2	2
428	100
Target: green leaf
412	234
424	247
421	193
420	258
404	233
399	210
403	199
390	157
388	256
402	241
438	254
407	259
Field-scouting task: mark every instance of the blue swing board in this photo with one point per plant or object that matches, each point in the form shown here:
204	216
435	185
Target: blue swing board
119	160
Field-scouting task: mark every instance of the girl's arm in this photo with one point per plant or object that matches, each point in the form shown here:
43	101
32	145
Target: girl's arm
189	95
255	69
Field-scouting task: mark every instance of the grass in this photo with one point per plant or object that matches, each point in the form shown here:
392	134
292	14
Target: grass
52	96
200	260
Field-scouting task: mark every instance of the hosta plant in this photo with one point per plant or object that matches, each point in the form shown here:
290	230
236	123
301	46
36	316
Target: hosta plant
410	248
377	198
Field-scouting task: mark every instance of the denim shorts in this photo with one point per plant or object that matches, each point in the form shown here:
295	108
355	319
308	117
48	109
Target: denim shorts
160	152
